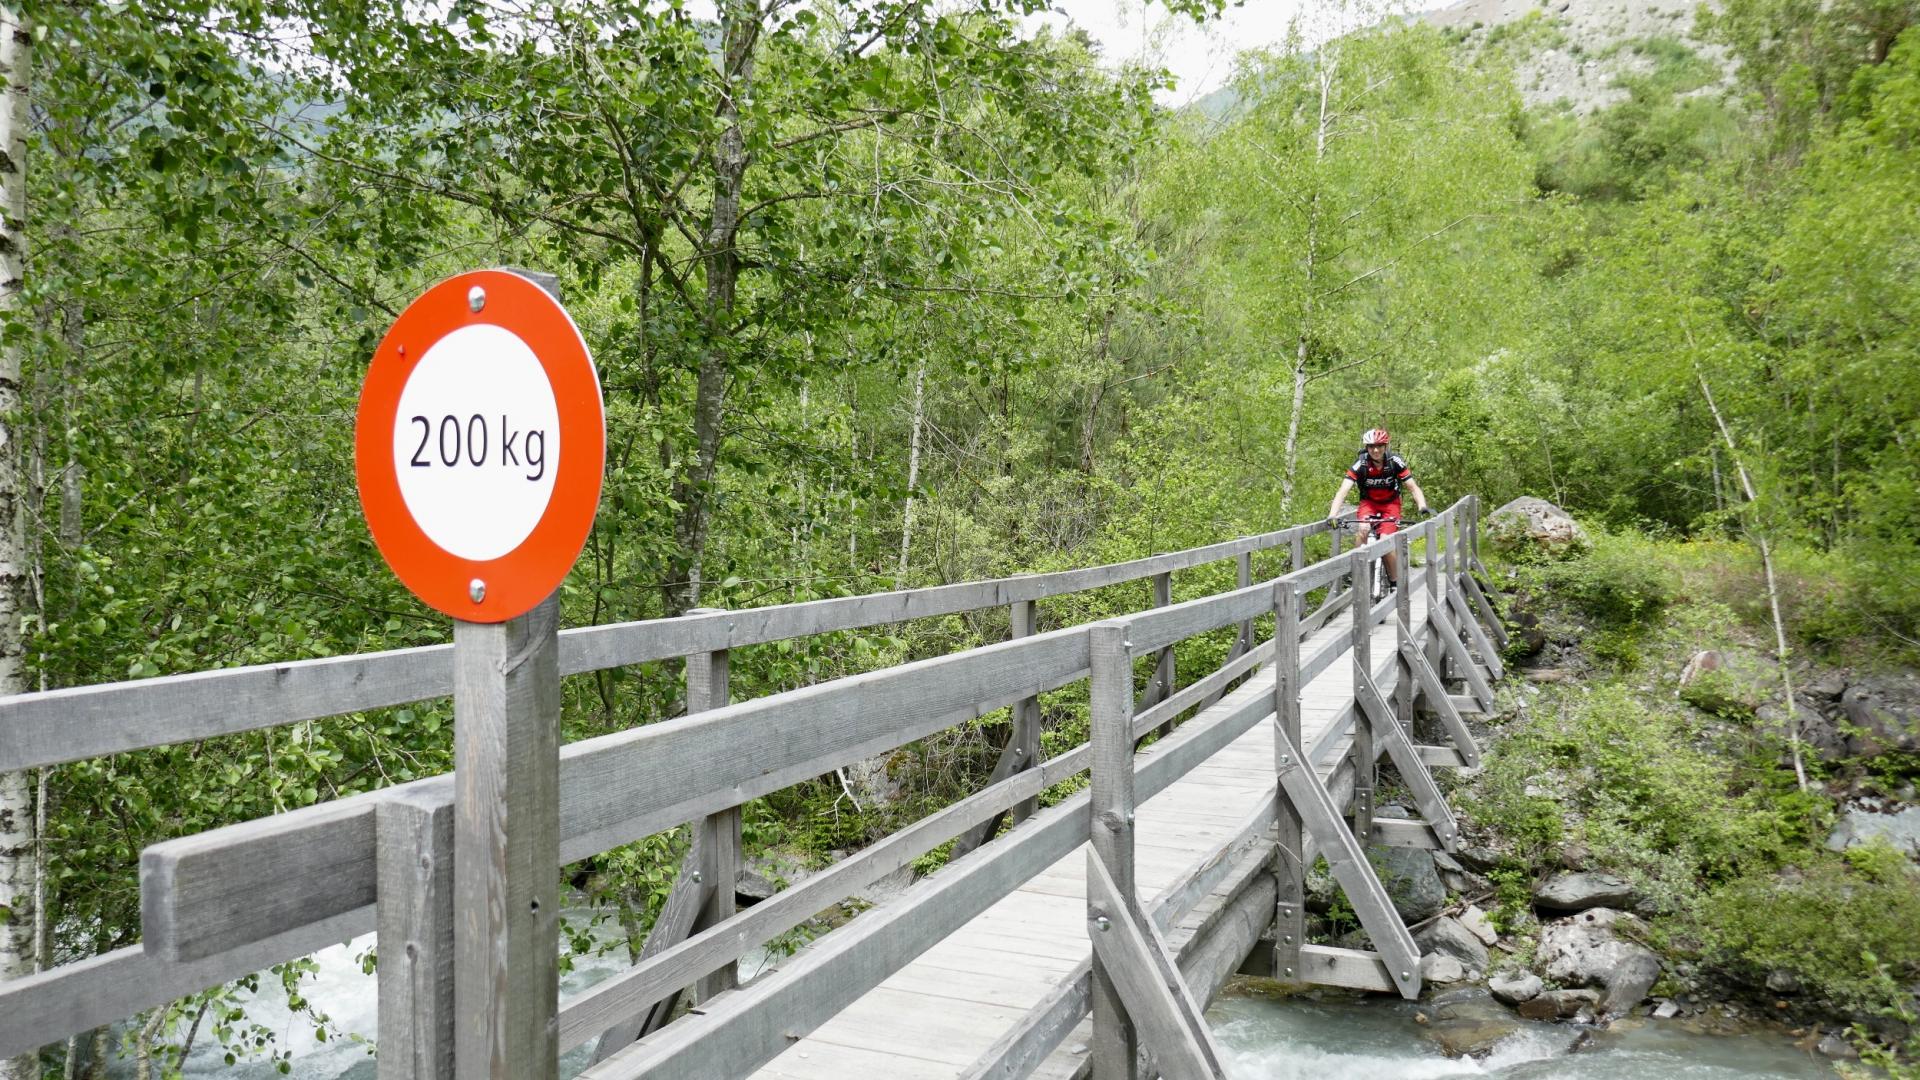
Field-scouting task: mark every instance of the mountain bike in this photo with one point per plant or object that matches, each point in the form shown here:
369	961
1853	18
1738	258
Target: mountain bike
1378	584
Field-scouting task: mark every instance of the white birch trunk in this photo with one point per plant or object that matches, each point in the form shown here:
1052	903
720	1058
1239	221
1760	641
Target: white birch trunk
1759	535
913	465
17	955
1329	61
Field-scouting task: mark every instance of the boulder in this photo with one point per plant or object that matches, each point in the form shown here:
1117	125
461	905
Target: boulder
1528	525
1585	951
1580	890
1441	968
1862	824
1408	875
1448	938
1558	1004
1514	987
766	874
1666	1010
1884	713
1467	1022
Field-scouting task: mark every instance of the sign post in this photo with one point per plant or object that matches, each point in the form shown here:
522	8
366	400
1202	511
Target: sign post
479	449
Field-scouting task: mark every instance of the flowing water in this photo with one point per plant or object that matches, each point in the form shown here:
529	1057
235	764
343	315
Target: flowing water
1264	1038
1303	1039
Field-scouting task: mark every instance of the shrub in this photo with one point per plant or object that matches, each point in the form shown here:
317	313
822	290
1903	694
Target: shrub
1620	582
1847	927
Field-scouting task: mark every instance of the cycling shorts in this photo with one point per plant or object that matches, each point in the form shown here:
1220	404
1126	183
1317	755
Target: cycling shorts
1383	517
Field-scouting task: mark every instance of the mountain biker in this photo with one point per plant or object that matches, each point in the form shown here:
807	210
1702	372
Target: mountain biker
1379	475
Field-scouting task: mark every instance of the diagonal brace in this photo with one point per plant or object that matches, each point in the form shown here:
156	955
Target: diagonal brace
1428	680
1490	656
1413	771
1351	869
1128	946
1450	640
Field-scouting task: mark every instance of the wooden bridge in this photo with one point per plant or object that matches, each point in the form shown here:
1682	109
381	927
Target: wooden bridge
1124	906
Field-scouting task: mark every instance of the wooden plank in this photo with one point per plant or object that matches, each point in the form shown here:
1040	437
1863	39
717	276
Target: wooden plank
215	891
1484	608
44	1007
1457	650
668	970
1290	865
1395	832
1213	686
1489	656
1352	968
1116	1034
1442	755
1350	867
506	845
415	987
1413	771
685	901
716	838
1162	627
1440	702
1128	949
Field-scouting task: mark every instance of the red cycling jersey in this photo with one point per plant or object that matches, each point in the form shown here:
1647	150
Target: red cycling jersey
1379	486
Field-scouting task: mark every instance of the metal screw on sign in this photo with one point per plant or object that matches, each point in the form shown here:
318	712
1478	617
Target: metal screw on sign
477	589
1103	923
476	298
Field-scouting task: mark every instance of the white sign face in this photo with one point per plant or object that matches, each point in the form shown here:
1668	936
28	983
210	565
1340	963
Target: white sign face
476	442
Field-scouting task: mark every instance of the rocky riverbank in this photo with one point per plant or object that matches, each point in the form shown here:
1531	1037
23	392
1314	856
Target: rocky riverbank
1639	813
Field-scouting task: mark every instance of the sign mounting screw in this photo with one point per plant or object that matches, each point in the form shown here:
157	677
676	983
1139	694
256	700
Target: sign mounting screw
477	589
476	298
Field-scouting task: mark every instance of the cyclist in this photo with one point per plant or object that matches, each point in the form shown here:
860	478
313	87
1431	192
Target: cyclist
1379	475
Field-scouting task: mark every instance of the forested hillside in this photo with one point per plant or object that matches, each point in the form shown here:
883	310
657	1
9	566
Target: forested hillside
891	294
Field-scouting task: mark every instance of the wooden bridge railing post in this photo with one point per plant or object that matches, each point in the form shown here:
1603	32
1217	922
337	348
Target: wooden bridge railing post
506	837
1115	1047
1290	920
1161	688
1244	579
414	852
1023	617
1363	749
1403	611
716	838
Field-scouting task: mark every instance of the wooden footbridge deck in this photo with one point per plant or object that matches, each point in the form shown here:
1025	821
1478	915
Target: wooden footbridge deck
1123	906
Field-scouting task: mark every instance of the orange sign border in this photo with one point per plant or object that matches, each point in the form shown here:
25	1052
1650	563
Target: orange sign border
520	579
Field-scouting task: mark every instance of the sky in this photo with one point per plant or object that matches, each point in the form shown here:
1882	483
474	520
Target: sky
1200	57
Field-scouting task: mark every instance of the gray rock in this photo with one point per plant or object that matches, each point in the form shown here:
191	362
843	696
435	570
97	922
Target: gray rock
1832	1045
1447	937
1477	859
1585	951
1861	825
1477	924
1411	882
1558	1004
1666	1010
1441	968
1627	986
1782	981
1516	987
1531	524
1885	712
1468	1022
1581	890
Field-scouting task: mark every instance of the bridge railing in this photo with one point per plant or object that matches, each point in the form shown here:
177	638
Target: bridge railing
222	904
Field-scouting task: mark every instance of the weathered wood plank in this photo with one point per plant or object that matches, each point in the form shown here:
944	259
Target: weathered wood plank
690	895
1213	685
1351	968
1471	586
1413	772
1128	949
1394	832
415	987
1116	1036
1161	627
506	845
1449	637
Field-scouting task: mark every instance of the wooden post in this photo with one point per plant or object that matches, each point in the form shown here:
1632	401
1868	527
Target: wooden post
1245	579
506	866
1163	663
1115	1042
716	838
1363	749
1403	610
1437	567
1026	711
414	851
1290	919
1297	552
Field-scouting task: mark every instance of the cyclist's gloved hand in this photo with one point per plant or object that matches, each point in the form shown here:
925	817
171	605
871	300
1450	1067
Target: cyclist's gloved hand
1426	511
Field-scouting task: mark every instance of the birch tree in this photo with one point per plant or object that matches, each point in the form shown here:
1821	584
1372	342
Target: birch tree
17	810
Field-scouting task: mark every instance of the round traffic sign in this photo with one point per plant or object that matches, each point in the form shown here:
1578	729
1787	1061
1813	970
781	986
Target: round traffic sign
479	445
